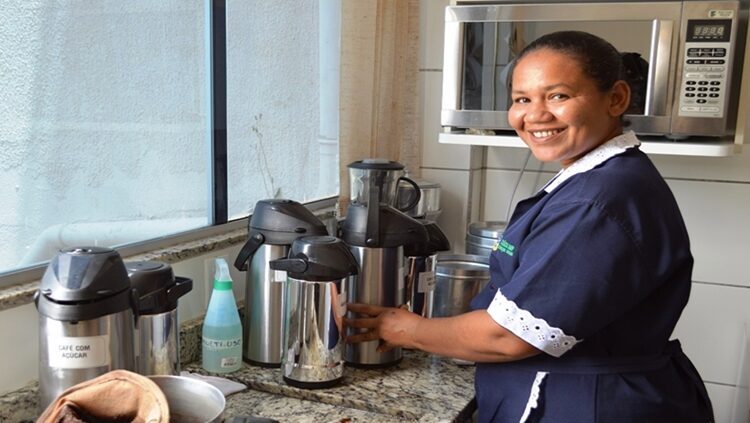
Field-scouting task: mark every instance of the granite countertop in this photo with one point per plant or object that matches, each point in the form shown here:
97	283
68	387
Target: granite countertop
421	388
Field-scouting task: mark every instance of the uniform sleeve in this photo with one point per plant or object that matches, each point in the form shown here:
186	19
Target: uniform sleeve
578	271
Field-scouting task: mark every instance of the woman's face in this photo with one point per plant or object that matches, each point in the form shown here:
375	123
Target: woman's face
558	111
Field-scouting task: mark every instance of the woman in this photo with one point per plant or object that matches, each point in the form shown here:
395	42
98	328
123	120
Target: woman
593	273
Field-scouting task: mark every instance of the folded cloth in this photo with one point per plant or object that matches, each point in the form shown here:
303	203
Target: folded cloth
225	385
116	396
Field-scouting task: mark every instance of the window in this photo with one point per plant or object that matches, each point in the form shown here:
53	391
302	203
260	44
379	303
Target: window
105	117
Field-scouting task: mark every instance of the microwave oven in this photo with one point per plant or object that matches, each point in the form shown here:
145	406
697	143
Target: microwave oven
685	60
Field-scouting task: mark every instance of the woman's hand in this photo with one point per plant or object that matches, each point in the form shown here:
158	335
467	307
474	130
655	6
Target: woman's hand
394	327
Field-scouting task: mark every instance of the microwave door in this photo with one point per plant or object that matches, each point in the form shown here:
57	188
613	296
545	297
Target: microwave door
481	42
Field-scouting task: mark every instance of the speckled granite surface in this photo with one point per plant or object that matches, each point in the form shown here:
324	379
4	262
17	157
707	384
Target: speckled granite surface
420	388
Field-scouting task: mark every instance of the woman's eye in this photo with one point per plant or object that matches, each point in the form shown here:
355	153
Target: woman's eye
558	96
521	100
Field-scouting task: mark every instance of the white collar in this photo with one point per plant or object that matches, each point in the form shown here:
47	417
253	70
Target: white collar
594	158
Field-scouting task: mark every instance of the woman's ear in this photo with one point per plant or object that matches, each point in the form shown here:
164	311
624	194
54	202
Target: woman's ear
619	98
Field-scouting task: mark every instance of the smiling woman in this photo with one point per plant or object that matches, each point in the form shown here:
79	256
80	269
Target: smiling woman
564	108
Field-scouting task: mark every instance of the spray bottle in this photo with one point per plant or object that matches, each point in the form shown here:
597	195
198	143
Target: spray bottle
222	329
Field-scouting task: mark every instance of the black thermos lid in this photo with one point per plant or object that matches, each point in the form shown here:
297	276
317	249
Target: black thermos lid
157	288
84	283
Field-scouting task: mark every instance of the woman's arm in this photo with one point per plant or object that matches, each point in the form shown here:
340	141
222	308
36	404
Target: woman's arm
472	336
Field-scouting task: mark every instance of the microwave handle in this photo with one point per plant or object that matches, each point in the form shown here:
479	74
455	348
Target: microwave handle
658	74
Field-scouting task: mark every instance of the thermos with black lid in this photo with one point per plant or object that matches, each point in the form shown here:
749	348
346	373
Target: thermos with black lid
317	270
419	270
274	225
158	351
87	311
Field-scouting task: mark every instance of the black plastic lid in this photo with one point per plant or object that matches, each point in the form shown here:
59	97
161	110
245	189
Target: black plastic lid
318	258
379	164
436	242
394	228
282	221
158	290
84	283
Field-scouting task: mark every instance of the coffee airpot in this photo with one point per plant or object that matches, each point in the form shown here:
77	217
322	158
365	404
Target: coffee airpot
419	270
87	313
376	233
274	225
317	269
158	329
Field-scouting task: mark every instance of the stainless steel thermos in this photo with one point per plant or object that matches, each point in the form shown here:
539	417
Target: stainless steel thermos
158	328
274	225
317	269
419	270
86	318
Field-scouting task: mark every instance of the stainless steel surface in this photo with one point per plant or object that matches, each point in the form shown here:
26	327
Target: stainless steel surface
458	278
481	236
314	343
420	284
667	111
191	400
264	307
380	282
81	351
158	344
429	200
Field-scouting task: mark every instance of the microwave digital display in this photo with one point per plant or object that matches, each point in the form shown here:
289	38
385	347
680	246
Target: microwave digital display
709	30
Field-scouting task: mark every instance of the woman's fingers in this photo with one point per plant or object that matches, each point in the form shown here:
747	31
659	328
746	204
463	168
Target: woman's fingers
362	323
370	310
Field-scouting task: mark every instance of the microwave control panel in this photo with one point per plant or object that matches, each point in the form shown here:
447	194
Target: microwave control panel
705	68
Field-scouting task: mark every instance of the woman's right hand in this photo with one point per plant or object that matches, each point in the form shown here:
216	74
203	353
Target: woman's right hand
394	327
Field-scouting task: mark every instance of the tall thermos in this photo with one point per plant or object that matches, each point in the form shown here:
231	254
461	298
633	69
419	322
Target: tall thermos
317	269
87	313
419	268
158	328
380	255
274	225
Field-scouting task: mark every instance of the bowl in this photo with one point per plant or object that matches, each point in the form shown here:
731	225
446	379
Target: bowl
191	400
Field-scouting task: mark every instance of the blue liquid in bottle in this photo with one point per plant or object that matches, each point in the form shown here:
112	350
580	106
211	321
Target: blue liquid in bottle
222	329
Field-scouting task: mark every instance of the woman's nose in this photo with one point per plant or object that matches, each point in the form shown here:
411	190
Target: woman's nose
537	112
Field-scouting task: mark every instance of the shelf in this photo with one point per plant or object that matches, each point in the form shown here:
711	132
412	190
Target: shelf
708	148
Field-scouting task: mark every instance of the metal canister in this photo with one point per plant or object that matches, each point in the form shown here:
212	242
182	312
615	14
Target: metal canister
481	236
458	279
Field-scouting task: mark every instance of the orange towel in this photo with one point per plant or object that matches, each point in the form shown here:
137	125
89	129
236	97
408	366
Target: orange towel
116	396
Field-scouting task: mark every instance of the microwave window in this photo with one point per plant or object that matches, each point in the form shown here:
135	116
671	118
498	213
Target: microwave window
491	47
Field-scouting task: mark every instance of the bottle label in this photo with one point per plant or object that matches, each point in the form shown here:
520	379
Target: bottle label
221	344
80	352
426	281
227	362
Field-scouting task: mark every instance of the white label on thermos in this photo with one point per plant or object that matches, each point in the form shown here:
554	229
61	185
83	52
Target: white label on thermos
79	352
426	281
279	276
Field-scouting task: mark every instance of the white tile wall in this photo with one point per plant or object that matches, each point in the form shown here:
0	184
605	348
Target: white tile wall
454	198
713	194
20	347
434	154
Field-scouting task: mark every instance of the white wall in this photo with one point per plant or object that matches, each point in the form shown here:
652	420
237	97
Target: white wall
713	194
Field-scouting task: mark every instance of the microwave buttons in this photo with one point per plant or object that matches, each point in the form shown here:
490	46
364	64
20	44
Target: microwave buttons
690	108
702	82
715	82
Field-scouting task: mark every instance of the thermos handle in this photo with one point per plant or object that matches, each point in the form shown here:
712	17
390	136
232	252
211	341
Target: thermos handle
181	287
372	233
417	194
247	251
293	265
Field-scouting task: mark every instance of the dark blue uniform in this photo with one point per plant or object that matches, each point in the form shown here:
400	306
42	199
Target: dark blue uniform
595	271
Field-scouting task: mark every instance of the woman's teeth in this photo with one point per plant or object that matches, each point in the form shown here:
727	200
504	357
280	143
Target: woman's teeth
544	134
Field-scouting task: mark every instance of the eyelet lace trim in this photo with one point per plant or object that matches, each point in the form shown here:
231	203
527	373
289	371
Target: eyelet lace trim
523	324
594	158
533	401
